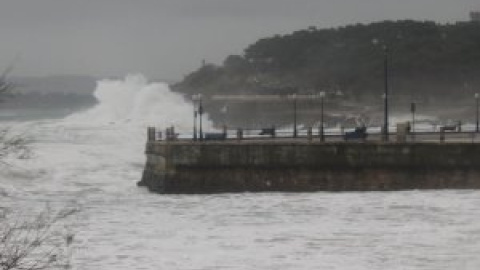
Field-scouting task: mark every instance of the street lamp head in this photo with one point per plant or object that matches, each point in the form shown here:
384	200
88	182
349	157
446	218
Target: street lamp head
376	42
477	95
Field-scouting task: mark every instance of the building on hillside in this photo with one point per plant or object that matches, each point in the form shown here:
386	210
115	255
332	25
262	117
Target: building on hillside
475	16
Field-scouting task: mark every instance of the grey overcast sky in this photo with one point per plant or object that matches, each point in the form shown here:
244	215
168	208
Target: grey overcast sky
169	38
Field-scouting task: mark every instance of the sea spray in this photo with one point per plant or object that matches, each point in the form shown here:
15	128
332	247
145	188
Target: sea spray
104	145
134	100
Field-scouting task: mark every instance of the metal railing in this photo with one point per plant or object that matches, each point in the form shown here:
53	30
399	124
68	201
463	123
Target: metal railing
374	134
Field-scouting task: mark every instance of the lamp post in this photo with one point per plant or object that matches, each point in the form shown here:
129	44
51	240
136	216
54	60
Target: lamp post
294	97
385	94
476	112
322	134
200	112
413	108
195	113
194	124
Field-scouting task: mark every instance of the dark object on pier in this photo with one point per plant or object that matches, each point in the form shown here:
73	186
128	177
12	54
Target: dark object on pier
170	134
360	133
448	128
457	127
268	131
215	136
151	134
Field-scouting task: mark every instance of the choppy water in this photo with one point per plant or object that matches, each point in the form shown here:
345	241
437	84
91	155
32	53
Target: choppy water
93	160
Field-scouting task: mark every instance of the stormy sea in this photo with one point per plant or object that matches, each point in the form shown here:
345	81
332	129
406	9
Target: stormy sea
92	159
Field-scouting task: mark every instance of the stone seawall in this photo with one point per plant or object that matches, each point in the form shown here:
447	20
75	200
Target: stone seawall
230	166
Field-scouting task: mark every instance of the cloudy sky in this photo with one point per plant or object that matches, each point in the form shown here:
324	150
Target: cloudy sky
169	38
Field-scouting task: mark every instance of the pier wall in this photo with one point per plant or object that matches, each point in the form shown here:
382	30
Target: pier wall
230	166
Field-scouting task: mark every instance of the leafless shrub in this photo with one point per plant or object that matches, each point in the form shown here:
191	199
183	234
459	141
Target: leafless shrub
29	243
35	243
9	144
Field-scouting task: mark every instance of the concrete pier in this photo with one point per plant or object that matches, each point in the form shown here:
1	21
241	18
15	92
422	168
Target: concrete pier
275	165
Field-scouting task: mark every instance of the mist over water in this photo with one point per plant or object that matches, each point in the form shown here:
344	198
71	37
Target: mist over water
93	159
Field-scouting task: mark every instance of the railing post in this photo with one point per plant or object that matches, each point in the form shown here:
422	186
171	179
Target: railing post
239	134
225	131
167	134
442	135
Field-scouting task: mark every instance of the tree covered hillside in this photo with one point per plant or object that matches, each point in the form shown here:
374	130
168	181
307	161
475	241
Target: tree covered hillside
427	61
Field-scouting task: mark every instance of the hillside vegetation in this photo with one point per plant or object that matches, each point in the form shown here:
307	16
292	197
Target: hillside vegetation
427	61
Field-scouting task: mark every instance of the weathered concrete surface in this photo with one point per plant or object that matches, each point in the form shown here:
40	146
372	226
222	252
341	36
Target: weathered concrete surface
210	167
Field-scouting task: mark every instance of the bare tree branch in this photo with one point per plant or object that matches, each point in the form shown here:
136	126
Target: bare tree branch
34	244
10	144
28	243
